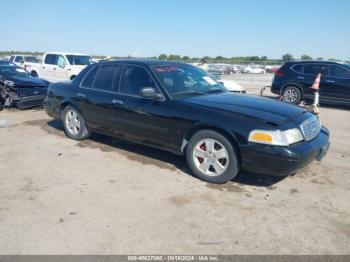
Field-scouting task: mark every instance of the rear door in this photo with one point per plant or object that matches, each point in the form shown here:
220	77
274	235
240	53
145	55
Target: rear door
338	82
97	97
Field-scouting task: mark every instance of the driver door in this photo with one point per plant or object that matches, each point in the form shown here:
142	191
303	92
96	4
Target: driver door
144	119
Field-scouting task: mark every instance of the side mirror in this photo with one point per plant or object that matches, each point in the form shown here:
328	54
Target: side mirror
150	92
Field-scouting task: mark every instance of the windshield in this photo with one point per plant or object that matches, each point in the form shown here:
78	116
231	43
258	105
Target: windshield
13	71
184	80
79	59
31	59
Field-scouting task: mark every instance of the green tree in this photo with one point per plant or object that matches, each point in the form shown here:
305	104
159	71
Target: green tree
306	57
186	58
334	60
220	58
319	58
174	57
287	58
162	57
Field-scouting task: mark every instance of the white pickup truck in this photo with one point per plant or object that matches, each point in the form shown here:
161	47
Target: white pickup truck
60	66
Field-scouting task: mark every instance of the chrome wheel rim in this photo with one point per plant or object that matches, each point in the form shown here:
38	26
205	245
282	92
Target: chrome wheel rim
291	95
72	122
210	157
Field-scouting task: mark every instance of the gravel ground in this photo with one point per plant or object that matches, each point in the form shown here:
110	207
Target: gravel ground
106	196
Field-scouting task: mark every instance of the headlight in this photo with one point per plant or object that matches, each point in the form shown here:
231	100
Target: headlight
9	83
277	137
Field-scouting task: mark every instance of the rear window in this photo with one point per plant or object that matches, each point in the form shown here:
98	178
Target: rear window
90	77
339	71
298	68
314	69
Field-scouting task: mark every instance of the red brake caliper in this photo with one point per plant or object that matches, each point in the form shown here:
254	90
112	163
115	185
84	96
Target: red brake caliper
204	148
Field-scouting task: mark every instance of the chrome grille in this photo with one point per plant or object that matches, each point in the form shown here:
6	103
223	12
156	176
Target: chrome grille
311	127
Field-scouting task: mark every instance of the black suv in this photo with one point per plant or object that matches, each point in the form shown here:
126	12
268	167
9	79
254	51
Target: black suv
294	79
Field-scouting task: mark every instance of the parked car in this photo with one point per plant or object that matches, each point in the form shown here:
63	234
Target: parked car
5	63
232	86
253	69
271	69
294	79
180	108
24	61
19	89
60	66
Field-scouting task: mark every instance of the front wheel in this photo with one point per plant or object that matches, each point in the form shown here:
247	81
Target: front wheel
74	124
34	74
211	157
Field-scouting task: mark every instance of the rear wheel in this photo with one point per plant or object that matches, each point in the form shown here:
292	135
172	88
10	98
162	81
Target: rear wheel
211	157
74	124
292	94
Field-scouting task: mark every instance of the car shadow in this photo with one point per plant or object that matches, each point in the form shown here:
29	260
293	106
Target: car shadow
162	158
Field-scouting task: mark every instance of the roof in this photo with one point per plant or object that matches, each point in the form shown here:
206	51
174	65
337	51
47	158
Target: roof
316	61
65	53
143	62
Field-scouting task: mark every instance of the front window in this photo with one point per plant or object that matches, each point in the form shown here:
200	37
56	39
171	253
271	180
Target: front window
14	71
61	62
79	59
184	80
339	71
134	79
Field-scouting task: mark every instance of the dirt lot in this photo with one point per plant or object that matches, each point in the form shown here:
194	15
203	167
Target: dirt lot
105	196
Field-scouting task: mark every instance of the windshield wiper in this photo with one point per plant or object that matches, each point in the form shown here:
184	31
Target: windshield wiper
189	93
214	91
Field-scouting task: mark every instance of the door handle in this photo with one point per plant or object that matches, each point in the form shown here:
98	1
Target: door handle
80	95
301	77
117	102
54	68
330	81
43	67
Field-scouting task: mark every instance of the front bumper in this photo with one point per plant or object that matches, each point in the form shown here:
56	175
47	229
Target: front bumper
283	161
30	101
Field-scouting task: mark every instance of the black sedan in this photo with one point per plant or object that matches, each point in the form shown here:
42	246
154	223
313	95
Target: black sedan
19	89
180	108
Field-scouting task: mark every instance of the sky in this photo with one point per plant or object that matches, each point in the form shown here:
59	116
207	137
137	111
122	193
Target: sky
196	28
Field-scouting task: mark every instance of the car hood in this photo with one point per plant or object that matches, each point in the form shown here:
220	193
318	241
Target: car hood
263	109
27	81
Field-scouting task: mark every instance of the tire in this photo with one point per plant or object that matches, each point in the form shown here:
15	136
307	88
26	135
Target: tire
34	74
292	94
74	124
202	155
